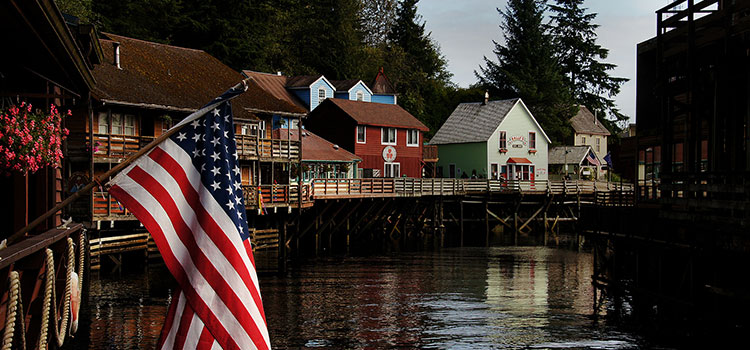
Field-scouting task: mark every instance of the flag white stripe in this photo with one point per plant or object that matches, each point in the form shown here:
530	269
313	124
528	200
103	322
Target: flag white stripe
169	342
194	333
216	346
225	268
209	202
182	254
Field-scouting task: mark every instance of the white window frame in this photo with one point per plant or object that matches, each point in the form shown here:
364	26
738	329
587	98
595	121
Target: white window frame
262	129
408	133
133	127
393	166
360	96
502	139
364	133
395	136
243	129
325	94
105	124
532	133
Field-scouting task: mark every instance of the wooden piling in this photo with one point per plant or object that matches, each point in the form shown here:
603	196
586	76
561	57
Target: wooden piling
461	221
487	223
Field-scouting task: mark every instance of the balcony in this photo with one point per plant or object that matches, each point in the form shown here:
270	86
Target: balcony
275	196
109	147
252	147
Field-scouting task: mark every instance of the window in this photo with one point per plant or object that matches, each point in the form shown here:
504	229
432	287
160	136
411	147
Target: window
243	129
129	126
532	140
598	142
504	171
116	124
262	128
412	138
503	140
103	123
388	136
493	171
392	170
583	140
166	124
360	95
321	95
361	136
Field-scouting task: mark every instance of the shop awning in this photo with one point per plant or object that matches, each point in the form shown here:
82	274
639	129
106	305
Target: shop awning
513	160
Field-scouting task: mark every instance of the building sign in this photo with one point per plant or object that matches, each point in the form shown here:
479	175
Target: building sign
517	141
389	153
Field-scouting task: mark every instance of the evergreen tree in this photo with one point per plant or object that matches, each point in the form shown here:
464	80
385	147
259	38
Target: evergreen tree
378	17
527	68
580	59
416	67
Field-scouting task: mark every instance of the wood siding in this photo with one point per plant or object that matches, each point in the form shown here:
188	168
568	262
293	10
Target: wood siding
371	152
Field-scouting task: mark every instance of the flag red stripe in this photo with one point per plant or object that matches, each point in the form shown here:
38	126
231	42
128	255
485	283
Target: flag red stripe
206	341
209	225
196	302
184	328
201	261
170	319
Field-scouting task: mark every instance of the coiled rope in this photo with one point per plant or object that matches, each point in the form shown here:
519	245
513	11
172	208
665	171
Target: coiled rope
15	306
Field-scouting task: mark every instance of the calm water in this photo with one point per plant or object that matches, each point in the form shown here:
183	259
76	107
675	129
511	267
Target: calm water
470	298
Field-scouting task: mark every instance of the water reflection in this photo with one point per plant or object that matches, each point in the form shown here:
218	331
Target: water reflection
479	298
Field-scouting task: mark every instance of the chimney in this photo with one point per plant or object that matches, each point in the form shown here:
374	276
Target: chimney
486	97
116	47
596	119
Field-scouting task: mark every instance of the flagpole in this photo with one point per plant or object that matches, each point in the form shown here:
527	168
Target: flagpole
119	167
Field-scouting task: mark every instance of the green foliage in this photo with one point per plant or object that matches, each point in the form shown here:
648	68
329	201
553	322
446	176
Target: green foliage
526	68
580	59
79	8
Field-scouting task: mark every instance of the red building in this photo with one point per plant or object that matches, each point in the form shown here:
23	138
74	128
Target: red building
385	136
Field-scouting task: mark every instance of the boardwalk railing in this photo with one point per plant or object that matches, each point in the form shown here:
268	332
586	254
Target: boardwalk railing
251	147
412	187
275	195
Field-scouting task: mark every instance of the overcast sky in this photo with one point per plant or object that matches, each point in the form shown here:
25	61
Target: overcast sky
464	29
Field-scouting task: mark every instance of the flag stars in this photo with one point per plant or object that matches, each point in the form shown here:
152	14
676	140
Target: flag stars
216	112
196	137
196	153
196	123
237	185
216	170
215	185
182	136
215	156
230	204
238	199
236	170
215	126
230	191
239	215
215	141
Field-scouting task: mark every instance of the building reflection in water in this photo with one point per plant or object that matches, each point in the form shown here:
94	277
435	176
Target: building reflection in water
469	298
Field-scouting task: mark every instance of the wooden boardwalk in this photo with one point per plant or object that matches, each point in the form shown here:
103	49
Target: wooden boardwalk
603	193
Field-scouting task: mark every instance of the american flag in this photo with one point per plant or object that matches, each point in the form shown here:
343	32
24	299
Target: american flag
187	193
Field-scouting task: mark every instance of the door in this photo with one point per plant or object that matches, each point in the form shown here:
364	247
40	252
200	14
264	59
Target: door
494	175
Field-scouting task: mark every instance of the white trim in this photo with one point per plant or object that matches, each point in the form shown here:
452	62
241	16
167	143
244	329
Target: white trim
395	138
407	138
325	92
356	134
386	164
532	118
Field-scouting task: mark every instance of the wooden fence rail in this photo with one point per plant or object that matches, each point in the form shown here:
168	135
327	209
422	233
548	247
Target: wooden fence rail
413	187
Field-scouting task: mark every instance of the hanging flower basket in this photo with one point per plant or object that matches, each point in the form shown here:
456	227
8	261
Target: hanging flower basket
30	139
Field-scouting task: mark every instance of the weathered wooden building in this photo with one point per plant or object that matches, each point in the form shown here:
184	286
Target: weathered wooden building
143	88
492	139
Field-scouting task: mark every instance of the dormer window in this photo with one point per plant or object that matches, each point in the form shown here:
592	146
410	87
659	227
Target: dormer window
360	95
321	95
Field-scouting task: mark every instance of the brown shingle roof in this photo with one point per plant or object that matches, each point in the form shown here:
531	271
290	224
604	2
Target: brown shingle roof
173	78
585	123
301	81
344	85
316	148
274	85
382	85
377	114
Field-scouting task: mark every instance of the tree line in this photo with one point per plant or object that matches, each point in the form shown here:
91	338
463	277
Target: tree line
352	39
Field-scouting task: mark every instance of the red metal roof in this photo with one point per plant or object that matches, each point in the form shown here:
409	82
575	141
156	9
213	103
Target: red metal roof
316	148
514	160
160	76
376	114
